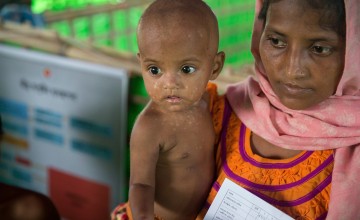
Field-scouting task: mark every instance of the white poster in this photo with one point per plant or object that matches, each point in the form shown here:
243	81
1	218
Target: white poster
65	125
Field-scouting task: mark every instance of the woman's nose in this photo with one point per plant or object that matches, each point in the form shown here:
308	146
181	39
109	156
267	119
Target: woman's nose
295	60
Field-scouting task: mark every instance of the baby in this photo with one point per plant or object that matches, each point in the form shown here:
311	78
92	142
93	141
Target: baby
172	143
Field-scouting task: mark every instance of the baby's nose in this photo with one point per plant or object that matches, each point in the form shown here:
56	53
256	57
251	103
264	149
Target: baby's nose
171	81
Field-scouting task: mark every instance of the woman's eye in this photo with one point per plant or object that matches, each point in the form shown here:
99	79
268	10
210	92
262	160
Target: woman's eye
188	69
154	70
277	42
321	50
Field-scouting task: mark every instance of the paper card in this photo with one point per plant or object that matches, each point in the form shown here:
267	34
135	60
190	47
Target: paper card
233	202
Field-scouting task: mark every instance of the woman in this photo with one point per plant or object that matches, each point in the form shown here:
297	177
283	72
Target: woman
291	137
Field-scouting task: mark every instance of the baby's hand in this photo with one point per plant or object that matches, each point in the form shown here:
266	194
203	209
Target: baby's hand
119	213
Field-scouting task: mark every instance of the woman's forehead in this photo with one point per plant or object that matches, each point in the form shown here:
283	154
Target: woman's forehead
281	14
328	16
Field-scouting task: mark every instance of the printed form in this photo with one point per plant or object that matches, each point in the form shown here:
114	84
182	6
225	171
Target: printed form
236	203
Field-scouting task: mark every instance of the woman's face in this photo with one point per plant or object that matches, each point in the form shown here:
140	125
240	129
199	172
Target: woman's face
303	61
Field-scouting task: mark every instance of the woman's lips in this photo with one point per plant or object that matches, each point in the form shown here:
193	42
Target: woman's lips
295	90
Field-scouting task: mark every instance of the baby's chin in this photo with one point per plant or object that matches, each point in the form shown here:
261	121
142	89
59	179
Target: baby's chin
176	105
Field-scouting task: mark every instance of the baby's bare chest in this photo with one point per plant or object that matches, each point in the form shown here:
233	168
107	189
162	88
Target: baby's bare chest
187	139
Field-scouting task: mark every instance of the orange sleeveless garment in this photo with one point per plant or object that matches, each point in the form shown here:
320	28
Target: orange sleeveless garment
299	186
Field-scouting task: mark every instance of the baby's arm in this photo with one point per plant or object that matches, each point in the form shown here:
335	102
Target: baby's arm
144	149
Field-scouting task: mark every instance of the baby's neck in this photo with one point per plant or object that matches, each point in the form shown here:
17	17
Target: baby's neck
265	149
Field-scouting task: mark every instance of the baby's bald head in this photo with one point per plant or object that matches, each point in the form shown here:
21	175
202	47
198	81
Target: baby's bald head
179	17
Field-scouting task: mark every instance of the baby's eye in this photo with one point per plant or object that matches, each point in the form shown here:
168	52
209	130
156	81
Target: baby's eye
153	70
277	42
321	50
188	69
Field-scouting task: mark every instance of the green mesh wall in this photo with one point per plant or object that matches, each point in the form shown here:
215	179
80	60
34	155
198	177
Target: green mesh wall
235	21
38	6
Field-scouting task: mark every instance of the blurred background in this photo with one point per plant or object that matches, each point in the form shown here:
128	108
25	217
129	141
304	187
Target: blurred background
99	32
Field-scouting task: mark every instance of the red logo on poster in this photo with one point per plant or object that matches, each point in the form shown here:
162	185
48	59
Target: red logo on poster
47	73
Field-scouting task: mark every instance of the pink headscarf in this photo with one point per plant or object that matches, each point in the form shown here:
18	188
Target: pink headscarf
332	124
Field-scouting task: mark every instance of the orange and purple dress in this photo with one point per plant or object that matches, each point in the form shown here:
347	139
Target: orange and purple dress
299	186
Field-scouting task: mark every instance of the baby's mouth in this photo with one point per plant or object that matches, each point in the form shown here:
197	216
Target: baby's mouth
173	99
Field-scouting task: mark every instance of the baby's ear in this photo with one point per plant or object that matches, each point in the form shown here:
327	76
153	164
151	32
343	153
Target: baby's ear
138	56
218	65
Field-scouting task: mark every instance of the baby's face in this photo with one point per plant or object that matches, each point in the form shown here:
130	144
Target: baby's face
303	61
177	62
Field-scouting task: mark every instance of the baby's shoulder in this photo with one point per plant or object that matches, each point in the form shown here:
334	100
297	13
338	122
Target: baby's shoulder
147	119
145	132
